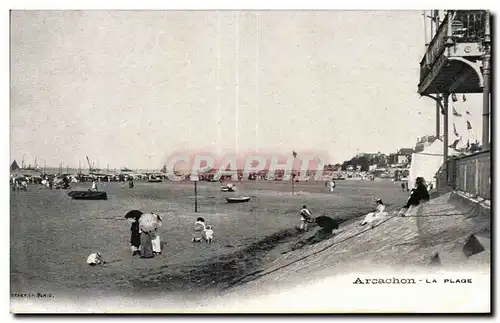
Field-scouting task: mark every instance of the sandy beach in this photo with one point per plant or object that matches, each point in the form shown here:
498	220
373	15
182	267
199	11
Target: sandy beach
51	235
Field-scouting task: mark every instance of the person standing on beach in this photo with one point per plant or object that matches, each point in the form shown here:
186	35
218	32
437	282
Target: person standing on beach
155	238
135	237
305	217
146	245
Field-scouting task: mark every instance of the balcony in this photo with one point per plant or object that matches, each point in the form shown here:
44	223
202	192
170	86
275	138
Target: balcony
452	61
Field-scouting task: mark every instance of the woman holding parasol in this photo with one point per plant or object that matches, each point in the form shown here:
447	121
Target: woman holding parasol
148	224
135	236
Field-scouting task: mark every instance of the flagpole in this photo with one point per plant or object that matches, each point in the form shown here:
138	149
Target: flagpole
195	197
195	179
293	180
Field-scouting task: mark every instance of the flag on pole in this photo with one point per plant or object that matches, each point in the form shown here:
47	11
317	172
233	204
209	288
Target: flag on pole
455	113
464	98
454	97
468	143
467	112
455	130
454	144
294	154
469	126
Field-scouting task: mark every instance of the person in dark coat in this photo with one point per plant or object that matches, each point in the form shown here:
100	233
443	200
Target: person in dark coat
418	194
135	237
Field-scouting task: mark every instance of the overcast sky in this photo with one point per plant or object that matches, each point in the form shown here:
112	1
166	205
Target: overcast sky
128	88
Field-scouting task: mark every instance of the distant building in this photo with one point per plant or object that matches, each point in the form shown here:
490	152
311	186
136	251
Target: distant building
392	159
404	155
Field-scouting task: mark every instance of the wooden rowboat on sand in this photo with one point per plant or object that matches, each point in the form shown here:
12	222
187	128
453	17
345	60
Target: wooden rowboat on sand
240	199
154	180
88	195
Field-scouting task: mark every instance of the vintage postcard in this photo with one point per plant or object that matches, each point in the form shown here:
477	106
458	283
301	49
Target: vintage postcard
243	161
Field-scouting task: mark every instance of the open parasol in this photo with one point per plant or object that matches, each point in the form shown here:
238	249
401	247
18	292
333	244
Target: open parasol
134	214
160	220
149	222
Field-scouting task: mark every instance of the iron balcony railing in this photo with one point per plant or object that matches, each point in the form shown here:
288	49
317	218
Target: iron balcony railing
458	26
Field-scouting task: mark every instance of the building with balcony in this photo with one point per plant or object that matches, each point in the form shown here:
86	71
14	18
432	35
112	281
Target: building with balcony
453	60
457	60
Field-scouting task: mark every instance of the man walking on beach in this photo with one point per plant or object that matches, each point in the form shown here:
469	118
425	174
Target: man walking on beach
305	217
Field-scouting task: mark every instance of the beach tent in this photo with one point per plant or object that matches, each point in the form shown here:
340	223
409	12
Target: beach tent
14	166
427	162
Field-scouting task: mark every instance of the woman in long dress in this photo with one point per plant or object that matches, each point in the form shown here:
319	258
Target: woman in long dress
146	245
135	237
156	238
419	193
199	229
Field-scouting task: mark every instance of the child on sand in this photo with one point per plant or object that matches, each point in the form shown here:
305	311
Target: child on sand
380	206
305	217
94	259
209	234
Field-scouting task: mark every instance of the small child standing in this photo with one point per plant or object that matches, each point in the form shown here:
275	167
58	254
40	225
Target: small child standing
305	217
209	234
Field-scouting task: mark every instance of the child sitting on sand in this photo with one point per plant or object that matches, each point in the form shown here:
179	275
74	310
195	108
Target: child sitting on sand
209	234
373	218
94	259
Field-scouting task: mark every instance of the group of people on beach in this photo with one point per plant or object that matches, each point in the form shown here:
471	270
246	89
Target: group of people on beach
418	194
144	243
19	185
147	244
202	231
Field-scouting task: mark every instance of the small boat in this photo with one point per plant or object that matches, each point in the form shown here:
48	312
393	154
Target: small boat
88	195
237	199
228	188
154	180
